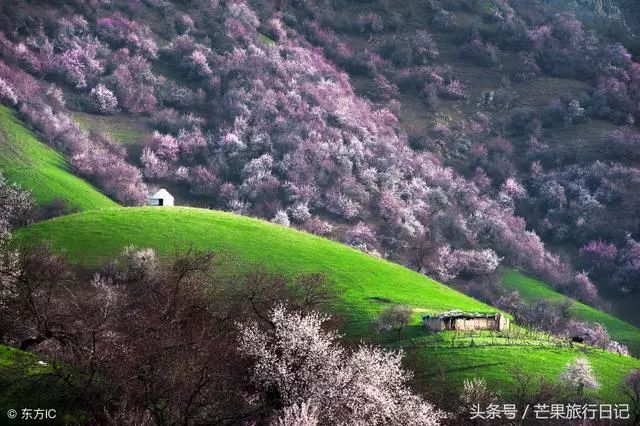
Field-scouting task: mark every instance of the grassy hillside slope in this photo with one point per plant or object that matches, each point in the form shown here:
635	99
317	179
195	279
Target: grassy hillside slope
531	289
496	363
127	130
40	169
366	284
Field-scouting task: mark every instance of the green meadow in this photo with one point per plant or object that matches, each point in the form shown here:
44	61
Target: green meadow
531	289
36	167
365	286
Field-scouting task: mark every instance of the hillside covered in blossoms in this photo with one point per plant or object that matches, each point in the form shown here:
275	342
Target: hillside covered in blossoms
492	145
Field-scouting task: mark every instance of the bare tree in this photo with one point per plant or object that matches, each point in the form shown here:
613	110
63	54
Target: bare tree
395	318
160	334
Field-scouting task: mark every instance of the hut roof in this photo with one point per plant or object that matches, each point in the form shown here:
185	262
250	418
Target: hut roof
461	314
163	193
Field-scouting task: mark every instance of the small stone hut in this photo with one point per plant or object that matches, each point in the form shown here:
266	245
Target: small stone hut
465	321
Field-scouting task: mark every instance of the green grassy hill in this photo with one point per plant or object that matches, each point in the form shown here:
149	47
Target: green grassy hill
366	285
531	289
38	168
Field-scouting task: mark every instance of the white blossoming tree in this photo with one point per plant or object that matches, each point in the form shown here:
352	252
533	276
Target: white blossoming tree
318	382
281	218
303	414
103	100
579	375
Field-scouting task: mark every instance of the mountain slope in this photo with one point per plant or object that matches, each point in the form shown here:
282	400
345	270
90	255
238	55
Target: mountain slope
365	284
531	289
40	169
511	115
240	242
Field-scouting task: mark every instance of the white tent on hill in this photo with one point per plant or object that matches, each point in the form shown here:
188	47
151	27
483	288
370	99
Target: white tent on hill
161	198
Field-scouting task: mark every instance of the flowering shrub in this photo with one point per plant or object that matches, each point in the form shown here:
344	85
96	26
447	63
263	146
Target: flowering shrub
199	63
100	160
313	376
579	375
80	65
103	100
134	82
281	218
7	94
362	237
342	205
16	206
617	348
137	264
527	67
629	266
122	32
453	90
448	263
598	254
299	212
23	86
317	226
153	167
583	288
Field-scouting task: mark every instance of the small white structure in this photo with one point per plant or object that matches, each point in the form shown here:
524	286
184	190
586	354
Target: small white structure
466	321
161	198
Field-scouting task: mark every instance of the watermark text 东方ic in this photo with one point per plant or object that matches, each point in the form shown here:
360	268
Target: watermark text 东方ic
32	414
